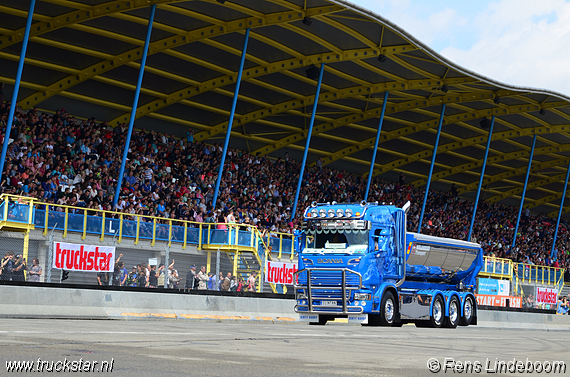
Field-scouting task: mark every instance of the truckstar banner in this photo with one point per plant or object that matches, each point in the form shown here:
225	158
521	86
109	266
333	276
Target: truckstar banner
279	272
546	296
73	257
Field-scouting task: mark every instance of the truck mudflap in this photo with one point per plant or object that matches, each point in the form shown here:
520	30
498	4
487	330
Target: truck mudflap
326	291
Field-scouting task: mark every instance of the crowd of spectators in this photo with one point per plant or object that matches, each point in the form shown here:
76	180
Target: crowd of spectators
153	276
64	160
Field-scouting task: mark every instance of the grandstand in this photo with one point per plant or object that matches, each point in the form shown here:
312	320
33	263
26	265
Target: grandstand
386	105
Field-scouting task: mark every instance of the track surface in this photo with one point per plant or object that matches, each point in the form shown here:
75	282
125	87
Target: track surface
181	348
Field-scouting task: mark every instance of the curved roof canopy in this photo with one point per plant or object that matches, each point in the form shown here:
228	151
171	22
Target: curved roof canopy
84	56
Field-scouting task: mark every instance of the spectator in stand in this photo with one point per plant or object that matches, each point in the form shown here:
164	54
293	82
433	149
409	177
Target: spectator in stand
251	282
202	279
211	281
18	271
7	266
35	271
51	152
153	277
227	282
191	278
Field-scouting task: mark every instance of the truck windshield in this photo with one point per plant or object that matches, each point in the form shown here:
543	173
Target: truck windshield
338	241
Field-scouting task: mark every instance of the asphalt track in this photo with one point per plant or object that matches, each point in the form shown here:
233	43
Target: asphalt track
228	349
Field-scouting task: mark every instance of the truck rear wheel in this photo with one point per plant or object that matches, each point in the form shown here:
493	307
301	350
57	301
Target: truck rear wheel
437	312
387	309
452	319
468	311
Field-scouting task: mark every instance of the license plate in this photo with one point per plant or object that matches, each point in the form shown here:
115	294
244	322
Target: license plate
309	317
328	303
358	318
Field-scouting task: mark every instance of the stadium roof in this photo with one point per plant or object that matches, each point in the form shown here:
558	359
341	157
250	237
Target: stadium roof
84	56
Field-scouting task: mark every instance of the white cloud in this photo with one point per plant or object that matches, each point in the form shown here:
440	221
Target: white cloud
419	18
523	43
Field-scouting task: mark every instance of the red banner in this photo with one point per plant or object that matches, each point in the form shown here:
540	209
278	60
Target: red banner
493	300
279	272
73	257
546	296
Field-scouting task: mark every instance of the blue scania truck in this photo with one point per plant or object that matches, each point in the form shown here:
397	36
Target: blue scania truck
358	262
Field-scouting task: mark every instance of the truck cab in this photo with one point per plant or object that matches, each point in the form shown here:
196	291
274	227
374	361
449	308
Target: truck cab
354	264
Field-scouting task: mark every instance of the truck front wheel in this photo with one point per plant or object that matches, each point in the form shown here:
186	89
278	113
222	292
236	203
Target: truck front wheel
387	309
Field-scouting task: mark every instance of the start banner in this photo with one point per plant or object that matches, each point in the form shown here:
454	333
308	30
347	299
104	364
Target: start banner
280	272
73	257
494	300
546	296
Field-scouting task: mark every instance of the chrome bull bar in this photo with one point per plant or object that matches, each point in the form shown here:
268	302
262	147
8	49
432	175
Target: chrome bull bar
343	289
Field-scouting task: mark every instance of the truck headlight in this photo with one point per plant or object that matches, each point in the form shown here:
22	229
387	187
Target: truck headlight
362	296
301	296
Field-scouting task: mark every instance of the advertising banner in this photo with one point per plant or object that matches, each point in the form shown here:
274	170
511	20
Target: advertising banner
495	300
494	287
546	296
74	257
280	272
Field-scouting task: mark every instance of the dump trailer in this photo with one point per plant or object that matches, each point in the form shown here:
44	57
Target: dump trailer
358	262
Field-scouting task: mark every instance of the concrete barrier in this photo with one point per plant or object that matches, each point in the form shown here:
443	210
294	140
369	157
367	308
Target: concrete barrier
20	301
522	320
50	302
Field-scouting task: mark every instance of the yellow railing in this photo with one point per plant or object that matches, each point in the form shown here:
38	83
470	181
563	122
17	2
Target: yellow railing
534	274
521	273
158	224
497	267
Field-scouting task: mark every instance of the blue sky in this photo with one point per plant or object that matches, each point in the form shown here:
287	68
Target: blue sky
519	42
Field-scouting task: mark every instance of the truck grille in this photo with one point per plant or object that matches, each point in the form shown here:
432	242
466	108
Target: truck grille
330	278
324	291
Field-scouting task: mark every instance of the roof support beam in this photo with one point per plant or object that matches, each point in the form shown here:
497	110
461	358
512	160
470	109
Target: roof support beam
169	43
80	15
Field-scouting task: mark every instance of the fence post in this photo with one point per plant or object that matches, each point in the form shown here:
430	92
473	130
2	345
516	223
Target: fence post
217	268
65	222
102	227
49	262
84	224
46	221
138	230
166	263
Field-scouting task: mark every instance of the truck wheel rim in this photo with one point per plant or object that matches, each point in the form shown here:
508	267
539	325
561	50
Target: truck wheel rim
437	312
453	312
389	310
468	308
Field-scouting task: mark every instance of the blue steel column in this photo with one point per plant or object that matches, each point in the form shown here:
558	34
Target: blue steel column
231	121
135	105
376	146
552	255
308	140
431	166
481	178
17	86
524	191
